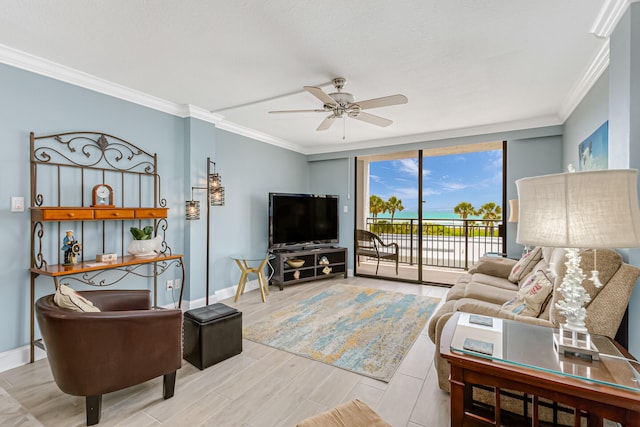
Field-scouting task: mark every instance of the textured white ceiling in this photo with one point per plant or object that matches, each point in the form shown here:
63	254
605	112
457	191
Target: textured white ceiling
479	64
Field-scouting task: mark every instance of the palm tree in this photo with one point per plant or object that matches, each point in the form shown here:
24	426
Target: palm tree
394	204
490	212
376	206
464	209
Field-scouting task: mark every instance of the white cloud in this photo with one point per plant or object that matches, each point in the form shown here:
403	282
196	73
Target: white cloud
453	186
407	166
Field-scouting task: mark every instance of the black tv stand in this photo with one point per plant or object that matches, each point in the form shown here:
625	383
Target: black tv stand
312	269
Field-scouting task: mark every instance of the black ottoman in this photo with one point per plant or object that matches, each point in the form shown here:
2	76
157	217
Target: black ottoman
212	334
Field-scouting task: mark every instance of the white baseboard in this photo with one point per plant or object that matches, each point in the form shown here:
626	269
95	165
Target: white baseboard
20	356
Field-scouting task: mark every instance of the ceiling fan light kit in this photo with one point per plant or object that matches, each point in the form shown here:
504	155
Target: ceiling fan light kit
340	105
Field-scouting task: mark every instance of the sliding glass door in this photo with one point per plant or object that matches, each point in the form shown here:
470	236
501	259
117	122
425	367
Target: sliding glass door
388	210
441	207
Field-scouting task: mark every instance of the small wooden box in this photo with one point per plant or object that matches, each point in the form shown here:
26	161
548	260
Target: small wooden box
106	257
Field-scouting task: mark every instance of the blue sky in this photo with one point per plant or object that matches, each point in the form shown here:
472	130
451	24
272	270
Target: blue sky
447	180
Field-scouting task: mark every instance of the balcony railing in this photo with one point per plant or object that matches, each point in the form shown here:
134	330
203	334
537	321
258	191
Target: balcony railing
453	243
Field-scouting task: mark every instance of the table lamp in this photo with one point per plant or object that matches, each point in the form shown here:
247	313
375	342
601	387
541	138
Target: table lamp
578	210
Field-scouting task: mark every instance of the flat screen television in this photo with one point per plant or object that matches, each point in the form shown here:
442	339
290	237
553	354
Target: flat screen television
297	220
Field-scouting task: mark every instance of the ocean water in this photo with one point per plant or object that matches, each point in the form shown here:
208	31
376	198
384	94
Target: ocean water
425	215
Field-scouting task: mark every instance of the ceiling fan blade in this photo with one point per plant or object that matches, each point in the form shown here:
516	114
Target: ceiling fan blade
326	123
382	102
319	93
297	111
374	120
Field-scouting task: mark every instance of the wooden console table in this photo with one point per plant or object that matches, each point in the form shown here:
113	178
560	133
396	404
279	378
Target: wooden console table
524	360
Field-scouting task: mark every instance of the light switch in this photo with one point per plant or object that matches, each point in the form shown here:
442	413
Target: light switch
17	204
345	208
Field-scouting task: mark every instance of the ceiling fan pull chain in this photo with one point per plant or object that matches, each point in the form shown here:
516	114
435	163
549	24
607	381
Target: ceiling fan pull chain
344	127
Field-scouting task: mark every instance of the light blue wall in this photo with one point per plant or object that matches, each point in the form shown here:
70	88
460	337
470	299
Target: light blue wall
249	170
588	116
529	157
336	177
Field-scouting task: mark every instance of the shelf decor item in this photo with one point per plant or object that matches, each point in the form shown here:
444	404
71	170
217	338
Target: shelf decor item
102	196
295	262
576	210
143	244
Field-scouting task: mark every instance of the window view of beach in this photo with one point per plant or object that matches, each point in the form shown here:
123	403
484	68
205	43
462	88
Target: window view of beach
461	207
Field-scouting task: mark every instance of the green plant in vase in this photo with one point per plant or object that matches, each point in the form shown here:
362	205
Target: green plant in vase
144	244
142	234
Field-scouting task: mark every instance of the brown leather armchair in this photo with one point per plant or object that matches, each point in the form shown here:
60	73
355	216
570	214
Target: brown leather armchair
124	344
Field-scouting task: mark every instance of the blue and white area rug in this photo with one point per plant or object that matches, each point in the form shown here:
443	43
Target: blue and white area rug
367	331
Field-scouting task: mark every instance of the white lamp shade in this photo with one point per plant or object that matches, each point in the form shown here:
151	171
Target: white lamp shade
593	209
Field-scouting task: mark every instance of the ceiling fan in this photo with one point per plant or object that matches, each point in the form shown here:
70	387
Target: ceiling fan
342	104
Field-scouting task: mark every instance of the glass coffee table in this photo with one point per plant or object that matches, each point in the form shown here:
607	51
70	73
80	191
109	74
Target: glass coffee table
504	354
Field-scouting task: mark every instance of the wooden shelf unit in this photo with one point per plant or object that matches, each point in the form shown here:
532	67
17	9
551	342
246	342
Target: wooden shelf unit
67	166
283	274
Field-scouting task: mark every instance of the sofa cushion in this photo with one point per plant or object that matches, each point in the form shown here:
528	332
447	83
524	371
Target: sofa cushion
493	266
489	293
524	266
66	297
457	291
496	282
532	297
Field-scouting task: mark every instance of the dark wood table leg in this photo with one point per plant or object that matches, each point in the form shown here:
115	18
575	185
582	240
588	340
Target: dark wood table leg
457	395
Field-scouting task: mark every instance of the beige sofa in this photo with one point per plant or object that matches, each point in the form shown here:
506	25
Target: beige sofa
493	281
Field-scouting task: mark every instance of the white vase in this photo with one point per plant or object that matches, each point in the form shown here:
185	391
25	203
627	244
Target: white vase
145	248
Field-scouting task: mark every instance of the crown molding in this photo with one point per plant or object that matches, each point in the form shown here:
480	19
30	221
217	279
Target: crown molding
483	130
44	67
189	110
584	85
259	136
610	14
78	78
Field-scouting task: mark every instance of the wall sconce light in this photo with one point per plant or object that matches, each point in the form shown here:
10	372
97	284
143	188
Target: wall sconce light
215	197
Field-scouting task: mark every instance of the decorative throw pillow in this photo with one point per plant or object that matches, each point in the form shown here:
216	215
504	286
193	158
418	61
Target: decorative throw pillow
65	297
525	265
532	297
493	266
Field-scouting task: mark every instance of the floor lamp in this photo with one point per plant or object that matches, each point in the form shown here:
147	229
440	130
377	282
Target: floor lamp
215	197
578	210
